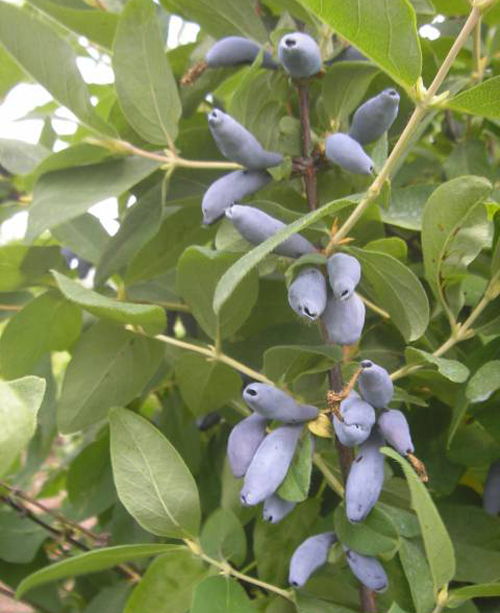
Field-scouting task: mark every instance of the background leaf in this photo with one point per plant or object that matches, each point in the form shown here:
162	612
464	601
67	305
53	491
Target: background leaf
481	99
220	595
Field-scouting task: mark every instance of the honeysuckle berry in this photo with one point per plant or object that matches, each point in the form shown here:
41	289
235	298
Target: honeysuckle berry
300	55
375	117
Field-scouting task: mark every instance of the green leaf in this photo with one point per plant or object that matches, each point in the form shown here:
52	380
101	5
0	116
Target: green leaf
484	382
394	246
62	195
151	317
97	25
344	87
21	265
384	30
206	385
437	542
480	100
49	59
456	597
140	224
84	235
309	604
19	157
110	367
151	478
451	369
223	537
397	290
285	363
454	228
221	595
47	323
146	88
11	73
375	536
240	269
168	584
221	18
19	539
198	272
295	486
91	562
418	573
21	400
406	206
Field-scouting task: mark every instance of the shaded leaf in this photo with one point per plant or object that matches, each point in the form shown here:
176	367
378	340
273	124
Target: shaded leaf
484	382
221	595
451	369
223	537
482	99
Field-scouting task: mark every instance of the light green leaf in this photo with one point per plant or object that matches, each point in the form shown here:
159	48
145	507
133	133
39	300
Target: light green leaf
84	235
223	537
198	272
49	59
221	18
21	265
147	91
91	562
438	545
418	573
406	206
396	289
65	194
221	595
384	30
344	87
295	486
480	100
21	400
375	536
11	73
97	25
451	369
238	271
456	597
151	317
285	363
19	157
47	323
394	246
454	228
110	367
151	478
168	584
484	382
206	385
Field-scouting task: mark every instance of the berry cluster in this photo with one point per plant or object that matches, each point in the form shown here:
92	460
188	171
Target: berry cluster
262	456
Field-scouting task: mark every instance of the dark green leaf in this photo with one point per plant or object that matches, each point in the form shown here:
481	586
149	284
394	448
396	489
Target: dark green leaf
451	369
152	481
19	539
456	597
397	290
221	595
289	362
223	537
419	576
484	382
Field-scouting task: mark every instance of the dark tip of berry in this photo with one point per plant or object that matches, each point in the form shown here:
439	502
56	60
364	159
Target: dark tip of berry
294	584
309	313
290	42
392	92
250	391
366	364
345	292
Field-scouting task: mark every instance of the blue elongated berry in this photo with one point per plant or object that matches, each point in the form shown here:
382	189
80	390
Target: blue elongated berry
368	570
256	226
300	55
359	417
394	428
236	143
273	403
307	293
375	117
491	493
275	508
375	384
236	50
365	479
344	273
229	189
270	464
309	556
244	441
344	320
343	150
